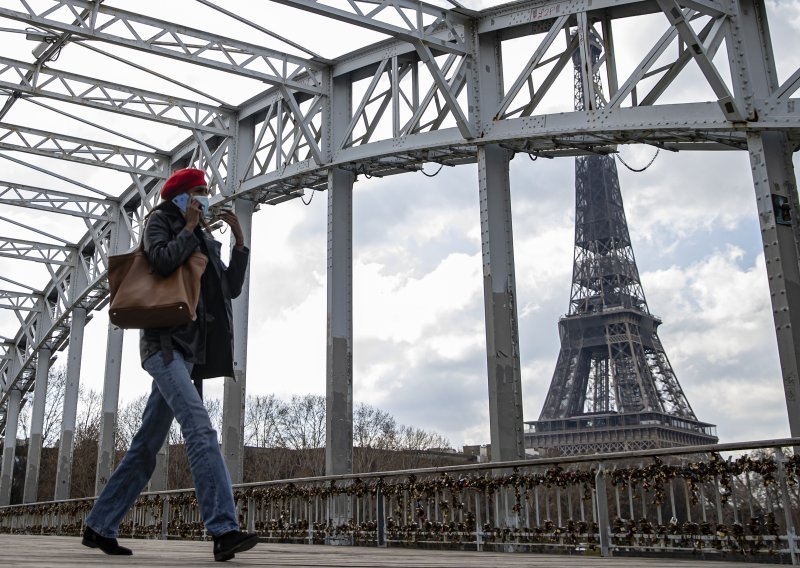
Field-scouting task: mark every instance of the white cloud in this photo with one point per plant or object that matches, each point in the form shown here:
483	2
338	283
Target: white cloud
284	349
721	306
719	335
400	308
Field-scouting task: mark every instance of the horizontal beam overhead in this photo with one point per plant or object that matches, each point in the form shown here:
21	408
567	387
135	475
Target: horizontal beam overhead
520	14
414	32
167	39
47	253
20	195
82	150
112	97
18	301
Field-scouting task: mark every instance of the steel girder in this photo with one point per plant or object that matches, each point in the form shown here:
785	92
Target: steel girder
29	197
90	152
418	22
113	97
409	107
171	40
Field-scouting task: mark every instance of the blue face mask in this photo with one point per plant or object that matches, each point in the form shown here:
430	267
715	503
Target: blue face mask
203	201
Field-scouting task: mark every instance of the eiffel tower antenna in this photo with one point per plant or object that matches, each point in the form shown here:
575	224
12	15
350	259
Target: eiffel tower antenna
613	388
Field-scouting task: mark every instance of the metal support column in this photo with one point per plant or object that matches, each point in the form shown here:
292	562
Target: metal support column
160	476
499	296
754	78
339	372
77	324
233	404
778	211
108	419
120	242
339	367
603	524
235	392
31	491
499	290
9	446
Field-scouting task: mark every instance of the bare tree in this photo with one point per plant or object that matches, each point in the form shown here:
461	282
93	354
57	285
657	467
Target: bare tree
303	424
375	435
214	409
90	408
373	428
263	418
129	419
53	408
284	439
84	453
416	439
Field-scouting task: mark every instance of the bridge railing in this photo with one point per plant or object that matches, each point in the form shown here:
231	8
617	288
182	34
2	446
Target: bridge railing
724	499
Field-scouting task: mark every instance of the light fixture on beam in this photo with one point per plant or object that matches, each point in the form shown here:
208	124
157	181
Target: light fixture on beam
45	40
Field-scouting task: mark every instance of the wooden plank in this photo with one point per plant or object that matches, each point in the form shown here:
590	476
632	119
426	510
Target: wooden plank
50	551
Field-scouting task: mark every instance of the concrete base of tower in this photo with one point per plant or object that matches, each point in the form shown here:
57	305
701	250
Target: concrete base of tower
606	433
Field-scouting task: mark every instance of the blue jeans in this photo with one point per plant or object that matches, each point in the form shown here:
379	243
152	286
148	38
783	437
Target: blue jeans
173	395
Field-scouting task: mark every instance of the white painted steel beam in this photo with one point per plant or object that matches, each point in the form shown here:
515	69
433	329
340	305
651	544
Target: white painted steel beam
698	51
235	388
755	79
19	195
120	242
412	14
112	97
339	367
520	15
499	296
779	212
497	245
22	249
80	150
339	353
78	317
445	88
533	63
9	446
31	490
170	40
69	415
18	301
158	480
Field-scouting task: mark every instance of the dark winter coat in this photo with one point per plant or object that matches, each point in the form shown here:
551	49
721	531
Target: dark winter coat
208	341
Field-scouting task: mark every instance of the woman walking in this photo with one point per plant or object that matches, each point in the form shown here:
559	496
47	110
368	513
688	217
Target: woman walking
174	357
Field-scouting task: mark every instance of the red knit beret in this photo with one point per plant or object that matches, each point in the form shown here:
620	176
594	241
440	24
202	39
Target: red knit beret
182	181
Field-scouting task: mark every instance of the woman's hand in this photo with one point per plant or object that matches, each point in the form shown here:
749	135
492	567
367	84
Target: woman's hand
192	215
232	220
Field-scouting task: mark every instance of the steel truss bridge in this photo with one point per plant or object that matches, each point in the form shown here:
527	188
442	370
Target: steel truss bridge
430	88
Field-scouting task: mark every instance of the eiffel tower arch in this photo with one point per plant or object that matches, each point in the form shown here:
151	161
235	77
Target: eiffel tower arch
613	388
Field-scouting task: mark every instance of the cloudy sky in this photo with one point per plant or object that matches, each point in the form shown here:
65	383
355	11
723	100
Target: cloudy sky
418	301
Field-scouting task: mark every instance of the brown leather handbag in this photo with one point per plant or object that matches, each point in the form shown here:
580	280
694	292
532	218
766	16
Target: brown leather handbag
142	299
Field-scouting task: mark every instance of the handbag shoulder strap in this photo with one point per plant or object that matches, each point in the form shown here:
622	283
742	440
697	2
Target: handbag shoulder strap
145	221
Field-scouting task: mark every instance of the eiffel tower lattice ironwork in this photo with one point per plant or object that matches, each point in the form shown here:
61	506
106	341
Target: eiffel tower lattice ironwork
613	388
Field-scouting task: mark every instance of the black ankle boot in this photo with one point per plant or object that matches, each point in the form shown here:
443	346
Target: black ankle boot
228	544
107	545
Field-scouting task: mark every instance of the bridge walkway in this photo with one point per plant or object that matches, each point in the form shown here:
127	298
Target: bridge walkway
49	551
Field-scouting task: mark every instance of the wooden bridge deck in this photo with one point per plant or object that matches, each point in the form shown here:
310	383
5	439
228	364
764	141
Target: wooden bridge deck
50	551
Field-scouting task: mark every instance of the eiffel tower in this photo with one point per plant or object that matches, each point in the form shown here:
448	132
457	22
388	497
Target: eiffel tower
613	388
